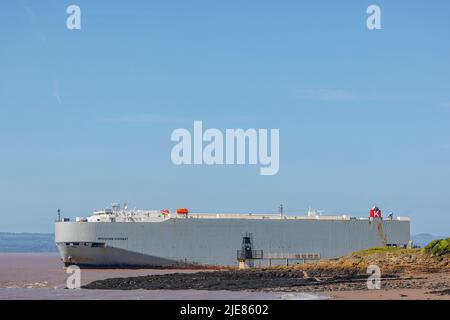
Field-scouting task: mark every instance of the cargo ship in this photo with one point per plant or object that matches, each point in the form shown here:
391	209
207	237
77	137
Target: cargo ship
119	237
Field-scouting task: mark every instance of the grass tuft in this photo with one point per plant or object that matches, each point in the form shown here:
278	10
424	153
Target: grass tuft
438	247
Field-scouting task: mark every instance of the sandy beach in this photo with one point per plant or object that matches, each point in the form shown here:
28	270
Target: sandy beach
388	294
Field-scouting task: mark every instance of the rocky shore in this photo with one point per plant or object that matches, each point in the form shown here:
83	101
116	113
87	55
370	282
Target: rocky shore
401	269
232	280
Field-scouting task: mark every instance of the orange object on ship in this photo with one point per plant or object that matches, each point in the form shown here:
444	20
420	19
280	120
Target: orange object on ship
164	211
182	211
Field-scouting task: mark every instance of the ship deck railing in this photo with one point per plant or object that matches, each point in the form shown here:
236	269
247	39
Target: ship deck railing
260	254
284	217
151	216
248	257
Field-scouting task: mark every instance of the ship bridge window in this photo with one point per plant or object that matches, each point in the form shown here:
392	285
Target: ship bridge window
72	244
98	244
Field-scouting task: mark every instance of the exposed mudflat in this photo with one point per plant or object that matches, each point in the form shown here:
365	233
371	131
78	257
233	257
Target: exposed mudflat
236	280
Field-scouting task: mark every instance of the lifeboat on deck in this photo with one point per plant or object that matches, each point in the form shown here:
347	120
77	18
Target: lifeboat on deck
164	212
182	211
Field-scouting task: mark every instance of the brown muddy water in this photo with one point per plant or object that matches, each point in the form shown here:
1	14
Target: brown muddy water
42	276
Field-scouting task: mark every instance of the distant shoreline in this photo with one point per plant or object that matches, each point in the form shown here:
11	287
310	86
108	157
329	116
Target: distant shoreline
27	242
55	253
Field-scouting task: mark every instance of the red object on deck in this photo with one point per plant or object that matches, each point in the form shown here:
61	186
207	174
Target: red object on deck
182	211
375	213
164	211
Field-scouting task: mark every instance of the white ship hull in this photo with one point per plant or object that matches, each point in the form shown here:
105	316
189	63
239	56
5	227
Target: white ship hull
214	242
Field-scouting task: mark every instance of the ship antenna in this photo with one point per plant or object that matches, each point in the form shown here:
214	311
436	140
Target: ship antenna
59	214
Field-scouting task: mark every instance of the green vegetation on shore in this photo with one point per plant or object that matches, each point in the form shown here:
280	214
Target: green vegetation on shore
438	247
435	257
378	250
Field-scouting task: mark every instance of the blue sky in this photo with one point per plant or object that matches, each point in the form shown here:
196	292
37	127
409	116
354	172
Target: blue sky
86	115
